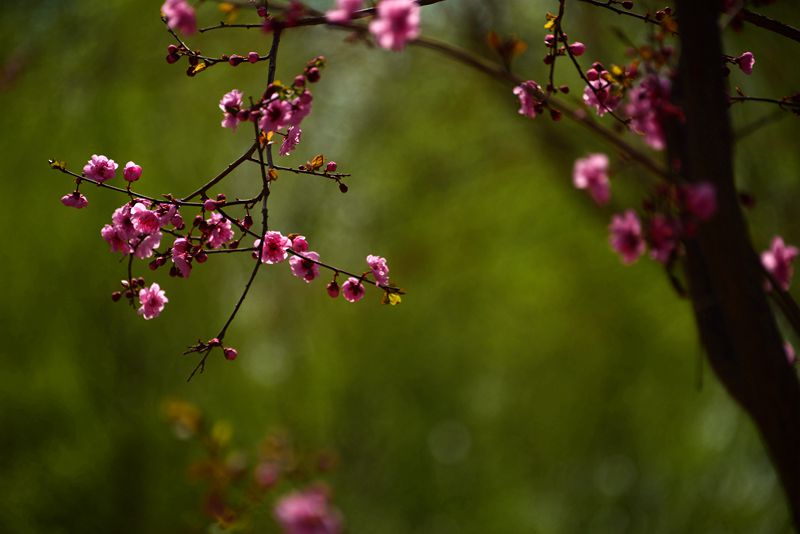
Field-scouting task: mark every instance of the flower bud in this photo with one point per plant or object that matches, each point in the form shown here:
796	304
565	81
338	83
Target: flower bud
209	205
230	353
201	256
333	289
132	172
313	75
331	166
253	57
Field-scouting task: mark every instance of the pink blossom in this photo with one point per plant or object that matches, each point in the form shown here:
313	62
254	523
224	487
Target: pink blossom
344	10
301	108
152	300
379	269
291	140
626	236
180	16
75	200
648	104
132	172
700	200
100	168
396	23
307	512
528	101
299	243
599	95
220	231
778	261
230	353
143	248
144	220
121	219
230	104
791	357
115	239
305	268
591	173
181	256
746	62
663	234
353	290
275	247
276	115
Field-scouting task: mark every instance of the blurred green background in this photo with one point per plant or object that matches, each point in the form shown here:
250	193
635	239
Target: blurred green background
528	382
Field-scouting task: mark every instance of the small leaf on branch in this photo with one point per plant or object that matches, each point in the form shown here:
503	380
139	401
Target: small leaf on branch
273	175
265	137
391	298
58	164
317	162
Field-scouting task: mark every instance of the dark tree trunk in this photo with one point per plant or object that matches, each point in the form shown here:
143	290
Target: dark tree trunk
726	284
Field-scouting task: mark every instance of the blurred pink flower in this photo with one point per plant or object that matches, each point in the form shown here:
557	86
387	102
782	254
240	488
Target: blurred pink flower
180	16
591	173
379	269
396	23
778	261
626	236
344	10
307	512
353	290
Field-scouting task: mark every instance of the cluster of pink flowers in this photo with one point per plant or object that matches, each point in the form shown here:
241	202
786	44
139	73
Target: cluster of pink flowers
307	512
282	107
305	264
600	94
778	259
396	23
591	173
695	202
529	103
100	169
180	16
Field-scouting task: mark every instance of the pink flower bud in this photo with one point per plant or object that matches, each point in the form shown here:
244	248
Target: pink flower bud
230	353
75	200
209	204
577	48
333	289
746	62
252	57
331	166
132	171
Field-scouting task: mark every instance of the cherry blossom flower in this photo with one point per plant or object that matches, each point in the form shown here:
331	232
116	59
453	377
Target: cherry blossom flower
591	173
143	248
344	10
116	239
626	236
599	95
778	261
291	141
275	247
333	289
307	512
132	172
75	200
181	256
300	108
700	200
100	168
663	234
299	243
528	103
396	23
577	48
230	104
220	231
144	220
152	301
746	62
276	115
303	267
379	269
353	290
180	16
